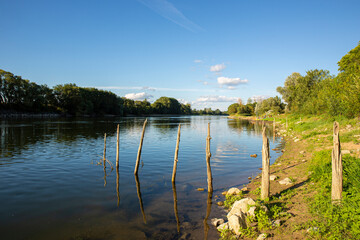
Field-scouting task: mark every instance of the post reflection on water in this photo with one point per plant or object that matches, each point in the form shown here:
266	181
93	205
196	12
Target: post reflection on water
208	210
117	186
175	208
139	196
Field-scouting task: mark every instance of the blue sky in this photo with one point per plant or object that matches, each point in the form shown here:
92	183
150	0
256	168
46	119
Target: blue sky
205	52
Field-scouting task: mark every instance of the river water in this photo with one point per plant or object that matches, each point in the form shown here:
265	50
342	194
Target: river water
52	186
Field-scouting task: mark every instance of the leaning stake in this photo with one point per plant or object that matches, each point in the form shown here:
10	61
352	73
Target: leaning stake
208	156
176	155
140	147
337	169
265	179
117	147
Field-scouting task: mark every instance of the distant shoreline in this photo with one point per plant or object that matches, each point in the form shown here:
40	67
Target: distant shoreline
24	115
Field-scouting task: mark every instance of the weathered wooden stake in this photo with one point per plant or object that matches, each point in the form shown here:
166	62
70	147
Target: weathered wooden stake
140	147
117	147
286	124
104	150
208	156
265	178
274	130
337	169
176	155
175	207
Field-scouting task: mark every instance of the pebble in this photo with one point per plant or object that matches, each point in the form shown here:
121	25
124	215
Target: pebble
200	189
221	203
262	236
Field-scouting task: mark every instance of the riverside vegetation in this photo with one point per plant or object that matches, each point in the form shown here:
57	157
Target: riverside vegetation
302	204
21	95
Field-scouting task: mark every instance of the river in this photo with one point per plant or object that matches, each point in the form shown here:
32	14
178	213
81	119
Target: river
52	186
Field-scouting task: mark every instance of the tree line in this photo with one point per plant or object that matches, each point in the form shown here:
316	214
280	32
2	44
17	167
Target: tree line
21	95
317	92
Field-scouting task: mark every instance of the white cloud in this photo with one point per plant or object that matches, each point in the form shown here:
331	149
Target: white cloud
217	67
231	81
149	88
259	98
217	99
138	96
183	101
231	87
198	61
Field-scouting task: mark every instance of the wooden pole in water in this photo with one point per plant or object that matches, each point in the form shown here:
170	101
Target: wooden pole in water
208	156
265	178
176	155
117	147
104	150
140	147
337	169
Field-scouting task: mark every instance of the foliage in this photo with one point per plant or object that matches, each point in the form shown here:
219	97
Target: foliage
318	92
241	109
336	221
272	105
230	199
17	94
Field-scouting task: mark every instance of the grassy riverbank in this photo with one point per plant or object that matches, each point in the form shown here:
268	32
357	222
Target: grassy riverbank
304	206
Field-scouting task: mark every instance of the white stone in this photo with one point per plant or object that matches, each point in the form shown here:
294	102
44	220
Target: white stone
276	223
264	208
251	211
237	222
302	152
262	236
223	226
240	206
273	177
286	181
296	140
313	229
217	221
233	191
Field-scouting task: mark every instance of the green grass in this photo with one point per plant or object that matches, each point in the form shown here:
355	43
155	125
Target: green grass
336	221
230	199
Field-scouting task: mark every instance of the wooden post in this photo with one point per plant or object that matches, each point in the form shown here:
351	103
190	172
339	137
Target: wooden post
265	178
139	196
140	147
104	150
286	123
337	169
176	155
208	156
117	147
274	130
175	207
